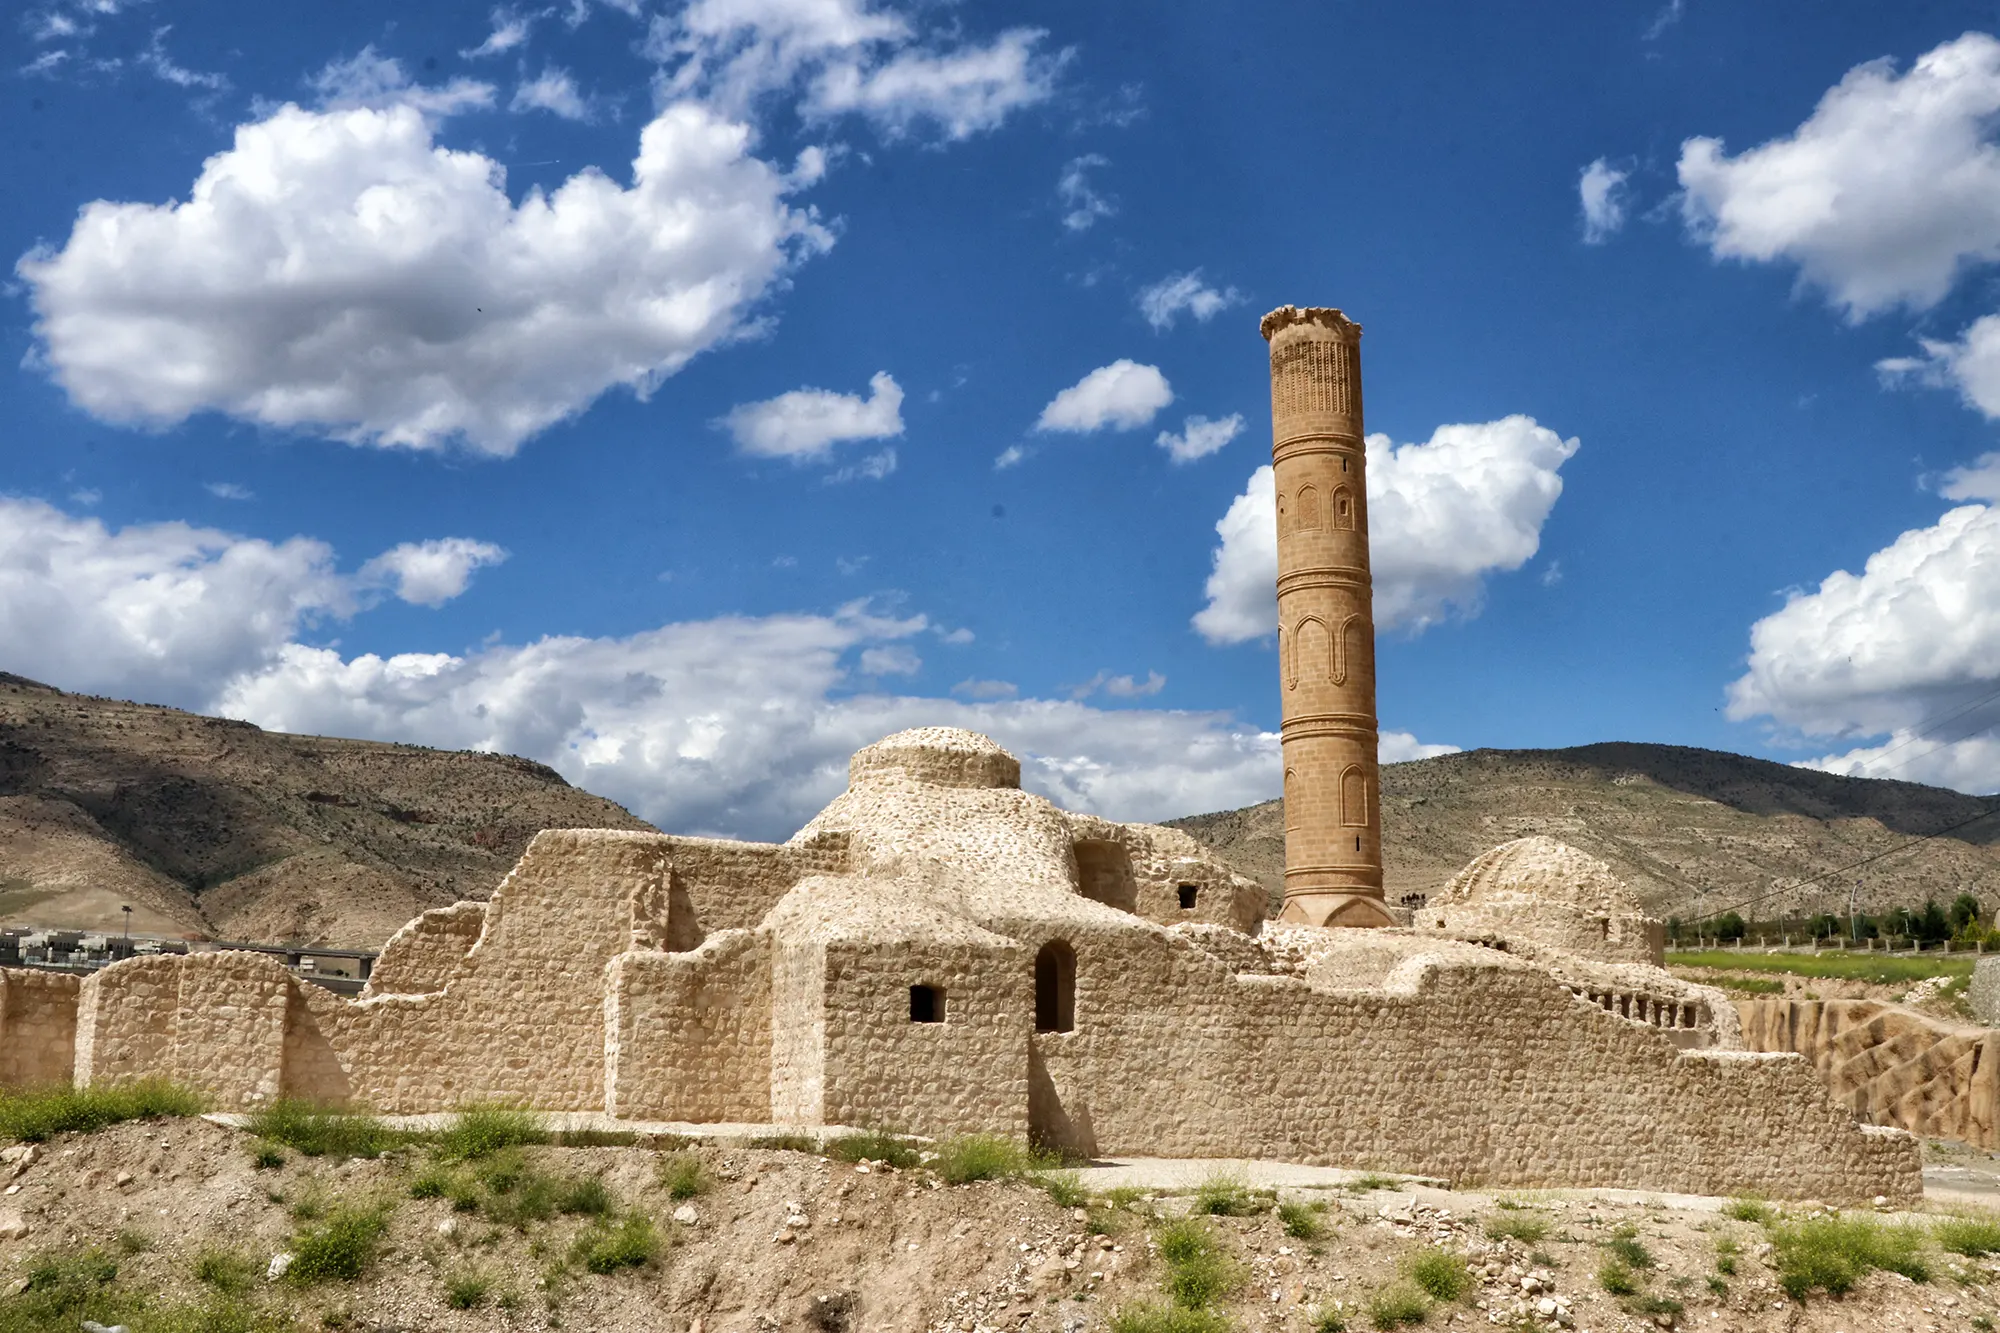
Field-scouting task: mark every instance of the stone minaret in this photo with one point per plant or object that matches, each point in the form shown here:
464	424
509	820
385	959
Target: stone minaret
1326	624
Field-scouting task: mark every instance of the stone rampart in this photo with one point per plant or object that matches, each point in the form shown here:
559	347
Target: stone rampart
37	1026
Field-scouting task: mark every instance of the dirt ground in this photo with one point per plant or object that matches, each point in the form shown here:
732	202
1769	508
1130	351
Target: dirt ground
784	1240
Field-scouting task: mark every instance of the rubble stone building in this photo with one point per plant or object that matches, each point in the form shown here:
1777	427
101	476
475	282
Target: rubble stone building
940	952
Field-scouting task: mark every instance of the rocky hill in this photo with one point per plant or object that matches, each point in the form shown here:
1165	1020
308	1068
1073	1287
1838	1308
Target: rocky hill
218	827
1693	831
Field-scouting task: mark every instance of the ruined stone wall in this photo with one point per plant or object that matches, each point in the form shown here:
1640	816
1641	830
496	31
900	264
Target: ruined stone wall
689	1034
422	956
967	1074
723	885
37	1026
1612	938
213	1021
126	1015
1889	1064
798	1031
1488	1074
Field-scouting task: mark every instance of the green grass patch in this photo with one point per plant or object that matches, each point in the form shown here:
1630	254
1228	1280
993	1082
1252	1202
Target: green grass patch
1371	1182
467	1290
319	1131
586	1196
1880	968
1626	1248
1525	1227
595	1138
1300	1220
1616	1278
606	1247
1442	1274
874	1146
64	1289
1199	1274
980	1157
1327	1319
1064	1187
1725	1255
230	1272
433	1182
1748	1210
683	1175
340	1248
1748	985
1228	1196
480	1129
1832	1254
1398	1304
1157	1317
32	1115
785	1143
266	1157
1969	1236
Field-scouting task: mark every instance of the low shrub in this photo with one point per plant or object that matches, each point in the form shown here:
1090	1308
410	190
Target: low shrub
607	1246
1370	1182
467	1290
431	1183
1227	1196
1300	1221
480	1129
230	1272
1969	1236
131	1240
1397	1304
32	1115
64	1289
979	1157
874	1146
785	1143
1747	1210
1156	1317
1327	1319
1725	1255
340	1248
1442	1274
1527	1228
1198	1273
585	1196
1649	1304
319	1131
266	1157
595	1138
683	1175
1617	1279
1832	1254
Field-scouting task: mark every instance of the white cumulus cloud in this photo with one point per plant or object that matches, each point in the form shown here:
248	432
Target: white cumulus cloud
1164	301
1442	515
1912	640
430	573
553	91
1123	395
337	271
806	423
1601	194
1199	437
1882	197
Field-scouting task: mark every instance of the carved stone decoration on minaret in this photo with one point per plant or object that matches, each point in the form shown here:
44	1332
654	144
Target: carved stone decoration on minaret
1326	623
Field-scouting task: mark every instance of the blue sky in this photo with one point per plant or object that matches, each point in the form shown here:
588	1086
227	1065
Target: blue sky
361	383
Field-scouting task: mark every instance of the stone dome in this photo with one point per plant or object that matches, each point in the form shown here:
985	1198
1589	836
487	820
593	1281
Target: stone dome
1539	871
938	756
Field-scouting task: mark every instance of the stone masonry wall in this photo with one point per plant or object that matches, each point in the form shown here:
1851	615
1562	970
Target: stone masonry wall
1488	1074
423	955
37	1026
1889	1064
690	1033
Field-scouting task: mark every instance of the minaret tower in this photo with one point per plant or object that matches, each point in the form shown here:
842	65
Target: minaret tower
1326	623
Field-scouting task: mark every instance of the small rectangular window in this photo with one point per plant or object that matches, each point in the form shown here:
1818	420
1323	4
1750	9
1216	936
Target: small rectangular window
927	1004
1189	893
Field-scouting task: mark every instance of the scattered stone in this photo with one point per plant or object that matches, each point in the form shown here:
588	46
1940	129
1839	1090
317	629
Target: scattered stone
686	1215
92	1326
448	1228
281	1263
13	1227
122	1179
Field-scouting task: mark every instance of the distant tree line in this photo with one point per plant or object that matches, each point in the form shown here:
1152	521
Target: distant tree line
1962	923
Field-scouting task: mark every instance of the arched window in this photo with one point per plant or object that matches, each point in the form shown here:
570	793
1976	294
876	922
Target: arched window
1055	987
1308	507
1354	797
1284	526
1343	509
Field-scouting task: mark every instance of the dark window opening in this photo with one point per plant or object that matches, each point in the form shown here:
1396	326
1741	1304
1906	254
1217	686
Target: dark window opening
1189	893
927	1004
1055	988
1357	844
1104	874
1343	462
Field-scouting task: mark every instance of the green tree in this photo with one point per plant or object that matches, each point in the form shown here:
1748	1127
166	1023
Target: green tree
1964	912
1826	925
1931	924
1728	926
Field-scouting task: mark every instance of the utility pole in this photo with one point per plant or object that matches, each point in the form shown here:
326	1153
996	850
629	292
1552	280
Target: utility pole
1853	912
127	910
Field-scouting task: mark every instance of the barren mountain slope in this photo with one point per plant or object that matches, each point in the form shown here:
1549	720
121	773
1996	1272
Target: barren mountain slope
1693	831
202	824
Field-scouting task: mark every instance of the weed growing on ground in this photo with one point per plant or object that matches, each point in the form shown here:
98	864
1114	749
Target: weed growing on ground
319	1131
1969	1236
430	1183
33	1114
1831	1254
230	1272
1198	1273
1617	1279
683	1175
134	1241
467	1290
585	1196
1649	1304
1627	1249
609	1246
1123	1196
595	1138
874	1146
1397	1304
1154	1317
979	1157
340	1248
1371	1182
479	1129
1227	1196
1064	1187
265	1156
1327	1319
1300	1221
1725	1255
785	1143
1527	1228
1747	1210
1442	1274
63	1290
